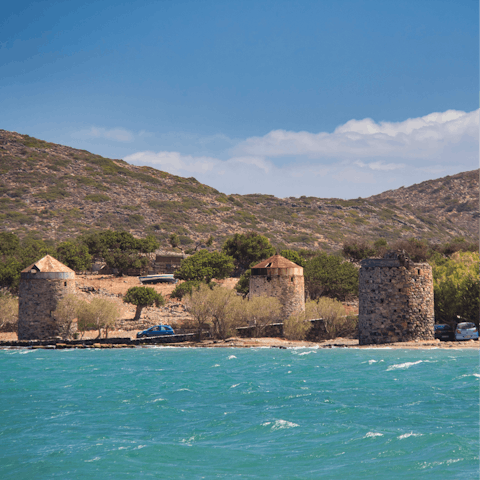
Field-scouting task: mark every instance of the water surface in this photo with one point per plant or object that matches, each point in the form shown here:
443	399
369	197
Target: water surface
239	413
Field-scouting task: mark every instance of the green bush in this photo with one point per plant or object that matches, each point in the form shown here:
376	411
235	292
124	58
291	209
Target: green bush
185	288
97	197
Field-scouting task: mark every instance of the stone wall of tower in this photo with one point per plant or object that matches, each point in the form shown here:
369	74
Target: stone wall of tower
395	301
289	289
38	297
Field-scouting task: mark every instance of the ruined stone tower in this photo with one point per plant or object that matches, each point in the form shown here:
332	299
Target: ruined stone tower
42	285
395	300
280	278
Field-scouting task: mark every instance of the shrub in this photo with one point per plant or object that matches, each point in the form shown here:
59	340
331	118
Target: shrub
8	312
185	288
295	327
97	197
332	312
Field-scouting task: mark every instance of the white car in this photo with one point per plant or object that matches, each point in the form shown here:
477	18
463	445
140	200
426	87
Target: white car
466	331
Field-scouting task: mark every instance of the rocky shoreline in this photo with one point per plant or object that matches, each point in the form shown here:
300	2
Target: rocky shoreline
190	341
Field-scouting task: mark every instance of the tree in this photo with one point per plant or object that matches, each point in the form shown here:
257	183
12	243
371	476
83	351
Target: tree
294	257
243	284
66	314
328	275
143	297
100	314
456	284
120	250
74	256
9	243
247	249
204	266
197	305
174	240
262	311
222	304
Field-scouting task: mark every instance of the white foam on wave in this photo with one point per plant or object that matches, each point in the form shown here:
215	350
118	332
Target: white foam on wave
158	400
95	459
469	375
373	435
403	365
231	357
280	424
411	434
236	385
305	353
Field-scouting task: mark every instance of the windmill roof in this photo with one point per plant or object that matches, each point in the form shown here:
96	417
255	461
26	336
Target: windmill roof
277	261
48	264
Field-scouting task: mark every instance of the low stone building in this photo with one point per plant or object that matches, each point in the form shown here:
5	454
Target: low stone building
42	285
278	277
395	300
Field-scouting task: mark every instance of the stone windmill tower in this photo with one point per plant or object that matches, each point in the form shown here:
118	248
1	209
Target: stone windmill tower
42	285
395	300
278	277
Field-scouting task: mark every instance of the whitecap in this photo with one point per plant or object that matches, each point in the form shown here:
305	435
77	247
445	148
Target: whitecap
158	400
216	365
95	459
373	435
280	424
411	434
305	353
236	385
231	356
372	361
403	365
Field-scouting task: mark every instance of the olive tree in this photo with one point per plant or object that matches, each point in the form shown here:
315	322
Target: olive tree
66	314
197	305
143	297
100	314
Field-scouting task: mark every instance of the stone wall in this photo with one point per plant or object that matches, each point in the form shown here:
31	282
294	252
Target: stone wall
395	301
289	289
38	297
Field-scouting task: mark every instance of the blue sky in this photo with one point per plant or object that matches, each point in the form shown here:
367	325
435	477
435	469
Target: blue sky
318	98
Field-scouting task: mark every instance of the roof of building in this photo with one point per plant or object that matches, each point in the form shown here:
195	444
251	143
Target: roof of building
48	264
277	261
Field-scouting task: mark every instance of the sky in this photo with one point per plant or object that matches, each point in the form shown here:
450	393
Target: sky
339	99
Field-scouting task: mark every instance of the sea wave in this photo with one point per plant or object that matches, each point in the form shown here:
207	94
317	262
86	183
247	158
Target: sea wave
411	434
280	424
373	435
403	365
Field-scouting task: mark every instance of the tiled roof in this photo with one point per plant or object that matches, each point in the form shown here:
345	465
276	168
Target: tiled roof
48	264
277	261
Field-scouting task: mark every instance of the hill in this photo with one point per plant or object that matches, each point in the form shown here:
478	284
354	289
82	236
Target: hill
58	192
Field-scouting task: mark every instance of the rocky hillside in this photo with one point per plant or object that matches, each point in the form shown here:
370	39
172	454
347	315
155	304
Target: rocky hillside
59	192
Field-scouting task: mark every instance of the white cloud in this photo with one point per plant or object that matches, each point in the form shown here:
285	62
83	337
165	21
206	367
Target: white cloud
357	159
422	137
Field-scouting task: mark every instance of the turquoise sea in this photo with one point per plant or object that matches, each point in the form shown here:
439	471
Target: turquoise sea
178	413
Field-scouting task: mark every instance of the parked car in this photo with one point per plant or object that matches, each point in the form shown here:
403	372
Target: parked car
156	331
444	333
466	331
